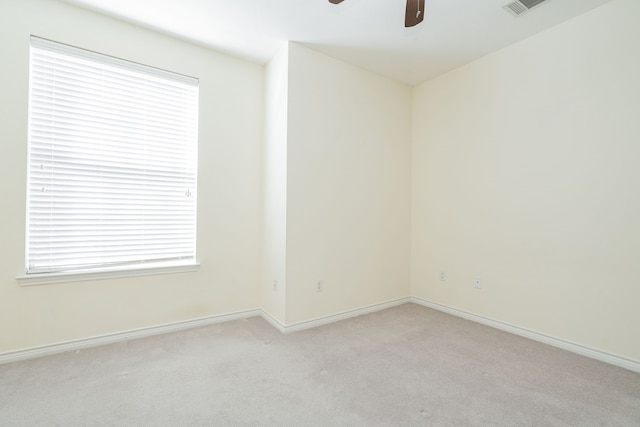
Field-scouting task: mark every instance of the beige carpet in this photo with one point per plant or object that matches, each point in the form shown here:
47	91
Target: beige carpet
405	366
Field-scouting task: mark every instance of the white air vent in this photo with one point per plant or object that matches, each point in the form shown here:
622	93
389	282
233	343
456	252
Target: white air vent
520	7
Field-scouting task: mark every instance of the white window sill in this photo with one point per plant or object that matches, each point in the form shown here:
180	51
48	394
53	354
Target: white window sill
83	276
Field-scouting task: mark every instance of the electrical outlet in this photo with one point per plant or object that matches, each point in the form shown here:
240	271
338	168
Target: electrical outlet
443	276
319	286
477	283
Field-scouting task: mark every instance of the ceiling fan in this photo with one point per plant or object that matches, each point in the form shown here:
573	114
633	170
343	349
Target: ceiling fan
413	16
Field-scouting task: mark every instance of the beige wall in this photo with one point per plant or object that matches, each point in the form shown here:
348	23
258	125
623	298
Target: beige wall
357	243
273	281
229	213
525	174
336	179
523	171
348	187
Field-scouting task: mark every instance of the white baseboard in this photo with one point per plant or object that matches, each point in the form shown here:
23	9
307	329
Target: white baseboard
325	320
273	321
31	353
612	359
47	350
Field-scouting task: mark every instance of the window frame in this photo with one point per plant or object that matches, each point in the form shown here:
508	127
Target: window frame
126	269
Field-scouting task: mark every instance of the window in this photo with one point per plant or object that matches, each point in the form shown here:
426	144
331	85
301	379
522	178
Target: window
112	163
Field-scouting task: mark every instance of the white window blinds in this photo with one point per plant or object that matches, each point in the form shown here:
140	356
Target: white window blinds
112	162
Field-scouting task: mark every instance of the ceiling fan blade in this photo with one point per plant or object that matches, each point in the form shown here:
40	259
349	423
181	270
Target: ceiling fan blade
415	13
335	1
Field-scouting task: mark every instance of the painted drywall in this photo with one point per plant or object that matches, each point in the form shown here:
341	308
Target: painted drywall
230	189
348	187
525	174
273	283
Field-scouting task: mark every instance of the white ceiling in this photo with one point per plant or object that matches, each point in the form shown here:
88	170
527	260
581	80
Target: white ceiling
367	33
